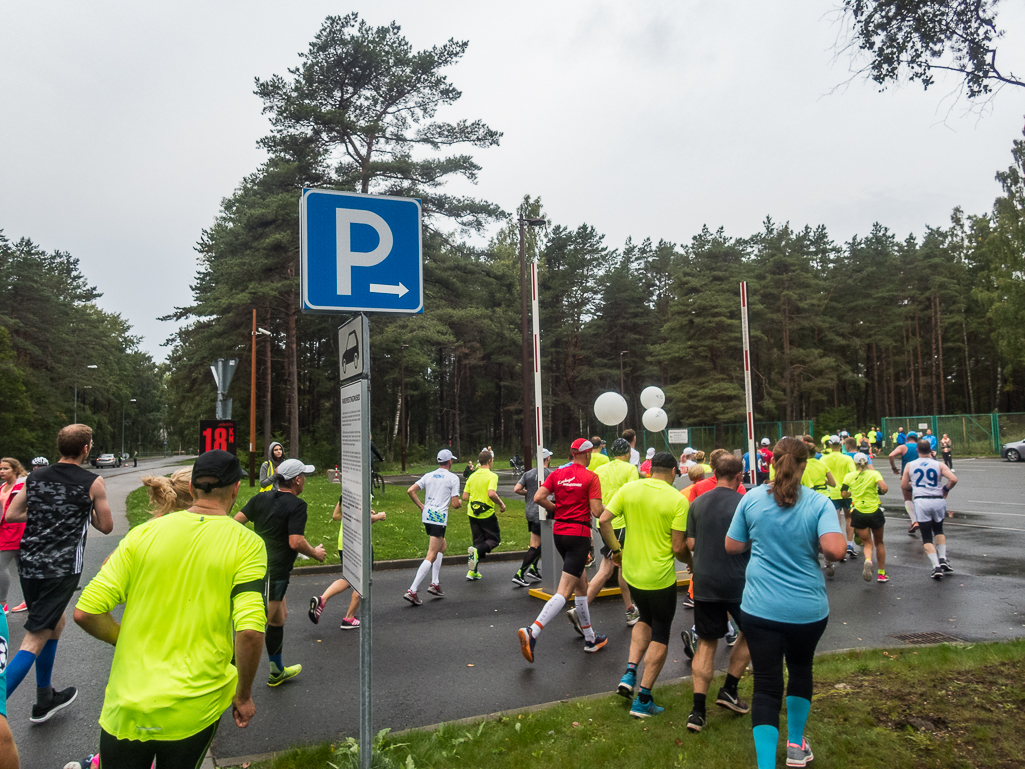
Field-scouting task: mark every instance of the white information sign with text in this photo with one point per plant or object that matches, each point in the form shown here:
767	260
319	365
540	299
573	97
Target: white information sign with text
678	436
354	474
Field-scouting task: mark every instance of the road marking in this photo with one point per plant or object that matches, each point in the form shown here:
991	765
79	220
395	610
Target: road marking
983	502
967	525
988	512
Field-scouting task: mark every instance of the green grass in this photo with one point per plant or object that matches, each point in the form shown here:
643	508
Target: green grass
400	535
972	698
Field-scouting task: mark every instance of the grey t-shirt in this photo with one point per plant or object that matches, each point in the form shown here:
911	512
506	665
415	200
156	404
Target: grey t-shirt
529	481
717	575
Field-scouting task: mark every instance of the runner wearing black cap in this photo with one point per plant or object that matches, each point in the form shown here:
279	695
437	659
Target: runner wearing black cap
577	493
441	487
907	452
279	517
59	503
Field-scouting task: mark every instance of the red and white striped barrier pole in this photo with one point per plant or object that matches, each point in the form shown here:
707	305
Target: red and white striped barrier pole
749	398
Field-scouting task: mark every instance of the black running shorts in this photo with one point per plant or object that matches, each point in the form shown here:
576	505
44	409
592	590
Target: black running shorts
574	551
435	530
46	600
710	618
874	520
620	538
843	504
657	609
534	527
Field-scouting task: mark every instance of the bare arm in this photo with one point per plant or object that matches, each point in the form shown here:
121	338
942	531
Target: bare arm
493	496
101	626
18	511
375	517
520	489
298	543
897	453
336	514
248	649
680	547
690	543
609	536
881	484
102	519
951	479
241	517
596	507
455	503
833	546
905	480
830	480
8	750
736	547
541	497
411	491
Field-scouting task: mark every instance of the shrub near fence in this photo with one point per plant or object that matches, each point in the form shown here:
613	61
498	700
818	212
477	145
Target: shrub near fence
970	434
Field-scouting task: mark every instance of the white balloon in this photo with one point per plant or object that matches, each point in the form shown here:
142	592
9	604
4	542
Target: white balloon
610	408
655	420
652	397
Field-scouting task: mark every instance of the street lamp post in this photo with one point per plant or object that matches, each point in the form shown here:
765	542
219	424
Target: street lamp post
125	406
402	403
622	386
252	404
76	395
528	356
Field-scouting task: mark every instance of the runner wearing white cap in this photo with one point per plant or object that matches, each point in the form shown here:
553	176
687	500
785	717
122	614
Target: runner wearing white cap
442	490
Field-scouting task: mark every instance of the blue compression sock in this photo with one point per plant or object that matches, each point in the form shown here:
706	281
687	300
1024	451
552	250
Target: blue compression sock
275	659
44	663
797	717
766	738
18	669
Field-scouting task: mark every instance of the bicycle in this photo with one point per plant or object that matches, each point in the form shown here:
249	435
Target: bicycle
376	479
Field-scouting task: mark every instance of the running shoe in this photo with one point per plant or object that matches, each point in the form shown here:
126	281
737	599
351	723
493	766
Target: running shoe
527	643
913	529
937	573
799	755
350	623
851	552
520	580
945	565
5	608
633	616
830	570
413	598
627	684
276	679
596	645
696	721
881	577
866	572
574	620
316	608
690	642
645	709
687	602
731	701
58	701
474	575
472	559
731	635
20	607
590	560
435	589
533	574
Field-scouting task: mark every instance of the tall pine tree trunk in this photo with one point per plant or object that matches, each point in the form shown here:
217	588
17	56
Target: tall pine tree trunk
935	358
921	367
939	344
875	382
967	368
291	376
267	383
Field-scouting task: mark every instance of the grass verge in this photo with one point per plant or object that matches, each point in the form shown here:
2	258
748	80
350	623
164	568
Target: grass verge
401	535
945	707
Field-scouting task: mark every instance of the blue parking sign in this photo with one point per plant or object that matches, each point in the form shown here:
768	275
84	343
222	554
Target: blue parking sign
360	253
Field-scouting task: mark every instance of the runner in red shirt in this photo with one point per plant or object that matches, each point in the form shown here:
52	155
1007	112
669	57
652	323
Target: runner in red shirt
577	494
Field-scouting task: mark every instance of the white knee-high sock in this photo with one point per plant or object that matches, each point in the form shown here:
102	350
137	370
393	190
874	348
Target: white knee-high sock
420	574
910	507
436	569
941	551
584	615
548	613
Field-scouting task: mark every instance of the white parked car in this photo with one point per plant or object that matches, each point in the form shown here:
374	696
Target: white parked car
1013	451
105	460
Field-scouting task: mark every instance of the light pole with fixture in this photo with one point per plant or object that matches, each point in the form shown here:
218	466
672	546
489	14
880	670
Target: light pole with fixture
76	395
622	386
402	403
528	356
125	406
252	404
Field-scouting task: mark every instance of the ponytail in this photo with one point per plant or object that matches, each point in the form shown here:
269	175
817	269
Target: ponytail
167	495
787	457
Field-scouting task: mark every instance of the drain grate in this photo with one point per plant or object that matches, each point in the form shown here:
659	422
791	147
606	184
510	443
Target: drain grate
921	639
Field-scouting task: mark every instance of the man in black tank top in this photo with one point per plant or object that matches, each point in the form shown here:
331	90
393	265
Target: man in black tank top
59	503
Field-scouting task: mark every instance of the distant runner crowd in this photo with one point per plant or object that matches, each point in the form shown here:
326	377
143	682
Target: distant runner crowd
203	596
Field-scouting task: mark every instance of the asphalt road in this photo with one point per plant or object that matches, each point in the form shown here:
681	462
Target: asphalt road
458	656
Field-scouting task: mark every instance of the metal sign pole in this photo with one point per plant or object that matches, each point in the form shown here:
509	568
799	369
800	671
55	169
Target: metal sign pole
366	723
751	458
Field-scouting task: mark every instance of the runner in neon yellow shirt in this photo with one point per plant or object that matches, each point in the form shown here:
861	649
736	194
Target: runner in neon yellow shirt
864	485
186	579
655	515
840	465
481	494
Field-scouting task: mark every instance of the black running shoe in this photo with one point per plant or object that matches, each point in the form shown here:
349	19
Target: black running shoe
937	573
686	601
58	702
696	721
945	565
520	580
731	701
690	642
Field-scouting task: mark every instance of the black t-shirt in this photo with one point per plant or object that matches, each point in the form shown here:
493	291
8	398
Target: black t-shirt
59	509
718	576
276	515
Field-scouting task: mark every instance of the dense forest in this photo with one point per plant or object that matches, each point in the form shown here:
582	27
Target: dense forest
882	325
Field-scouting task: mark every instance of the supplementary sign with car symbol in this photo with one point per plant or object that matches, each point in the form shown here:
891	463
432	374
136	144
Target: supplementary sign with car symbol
360	253
353	344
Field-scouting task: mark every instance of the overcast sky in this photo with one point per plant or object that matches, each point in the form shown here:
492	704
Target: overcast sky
124	124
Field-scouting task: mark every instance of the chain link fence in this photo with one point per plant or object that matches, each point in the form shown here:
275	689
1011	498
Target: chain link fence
733	435
970	434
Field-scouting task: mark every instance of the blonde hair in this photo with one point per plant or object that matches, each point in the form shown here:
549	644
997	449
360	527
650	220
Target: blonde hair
696	472
16	466
717	455
787	457
699	457
862	463
167	495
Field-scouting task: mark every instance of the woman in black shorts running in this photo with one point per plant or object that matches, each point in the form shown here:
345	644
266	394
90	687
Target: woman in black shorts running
864	486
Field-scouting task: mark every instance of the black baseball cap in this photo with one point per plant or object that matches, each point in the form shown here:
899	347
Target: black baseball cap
217	464
663	459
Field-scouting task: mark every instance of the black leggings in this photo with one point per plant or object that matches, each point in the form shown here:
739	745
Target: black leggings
169	754
486	534
930	530
770	643
657	609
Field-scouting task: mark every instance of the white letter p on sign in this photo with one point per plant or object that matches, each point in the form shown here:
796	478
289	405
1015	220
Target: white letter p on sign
347	258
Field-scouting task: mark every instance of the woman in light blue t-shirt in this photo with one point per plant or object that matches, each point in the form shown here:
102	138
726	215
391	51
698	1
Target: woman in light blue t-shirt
784	608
